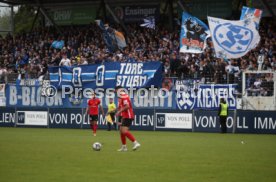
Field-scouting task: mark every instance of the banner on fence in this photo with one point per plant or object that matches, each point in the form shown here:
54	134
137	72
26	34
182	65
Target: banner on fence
208	121
35	96
7	116
174	120
108	75
32	118
66	118
30	96
256	122
192	95
76	118
260	122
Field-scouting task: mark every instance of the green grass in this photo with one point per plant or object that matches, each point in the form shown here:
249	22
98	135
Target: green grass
29	154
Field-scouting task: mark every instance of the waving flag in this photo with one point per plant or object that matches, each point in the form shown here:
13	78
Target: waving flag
112	38
107	36
100	24
149	23
233	39
255	14
58	44
193	34
120	39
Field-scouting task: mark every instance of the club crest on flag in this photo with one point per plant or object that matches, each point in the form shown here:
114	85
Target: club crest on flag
233	39
236	40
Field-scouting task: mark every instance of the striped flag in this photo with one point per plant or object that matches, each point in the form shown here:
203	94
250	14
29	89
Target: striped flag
252	13
149	22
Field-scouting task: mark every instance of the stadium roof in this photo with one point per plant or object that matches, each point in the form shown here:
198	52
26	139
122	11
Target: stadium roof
45	2
51	2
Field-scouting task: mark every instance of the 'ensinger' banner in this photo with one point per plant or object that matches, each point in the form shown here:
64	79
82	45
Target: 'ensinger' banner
196	96
136	13
108	75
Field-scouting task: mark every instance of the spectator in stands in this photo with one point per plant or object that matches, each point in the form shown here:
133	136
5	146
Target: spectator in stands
3	73
65	61
83	61
29	53
174	65
55	60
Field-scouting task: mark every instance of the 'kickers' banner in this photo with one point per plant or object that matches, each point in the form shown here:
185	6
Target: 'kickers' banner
108	75
196	96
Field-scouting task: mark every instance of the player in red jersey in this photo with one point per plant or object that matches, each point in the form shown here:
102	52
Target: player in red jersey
93	108
127	117
120	115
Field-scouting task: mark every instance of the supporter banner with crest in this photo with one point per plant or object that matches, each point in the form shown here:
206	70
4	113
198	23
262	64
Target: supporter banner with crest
192	95
233	39
193	34
108	75
38	96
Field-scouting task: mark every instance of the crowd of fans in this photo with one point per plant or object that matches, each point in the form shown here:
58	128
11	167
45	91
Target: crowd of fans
259	84
30	54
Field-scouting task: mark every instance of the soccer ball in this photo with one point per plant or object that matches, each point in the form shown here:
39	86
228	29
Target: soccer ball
97	146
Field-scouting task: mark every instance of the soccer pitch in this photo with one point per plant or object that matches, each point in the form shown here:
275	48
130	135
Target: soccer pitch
32	154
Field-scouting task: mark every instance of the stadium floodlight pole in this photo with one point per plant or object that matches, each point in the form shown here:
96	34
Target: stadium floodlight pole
35	18
267	5
12	20
183	6
45	14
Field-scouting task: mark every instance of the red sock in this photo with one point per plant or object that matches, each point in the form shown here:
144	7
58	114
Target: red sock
95	126
123	138
91	126
129	136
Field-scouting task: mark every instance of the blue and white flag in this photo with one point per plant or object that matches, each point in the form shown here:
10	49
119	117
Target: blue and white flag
193	34
233	39
255	14
149	22
58	44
